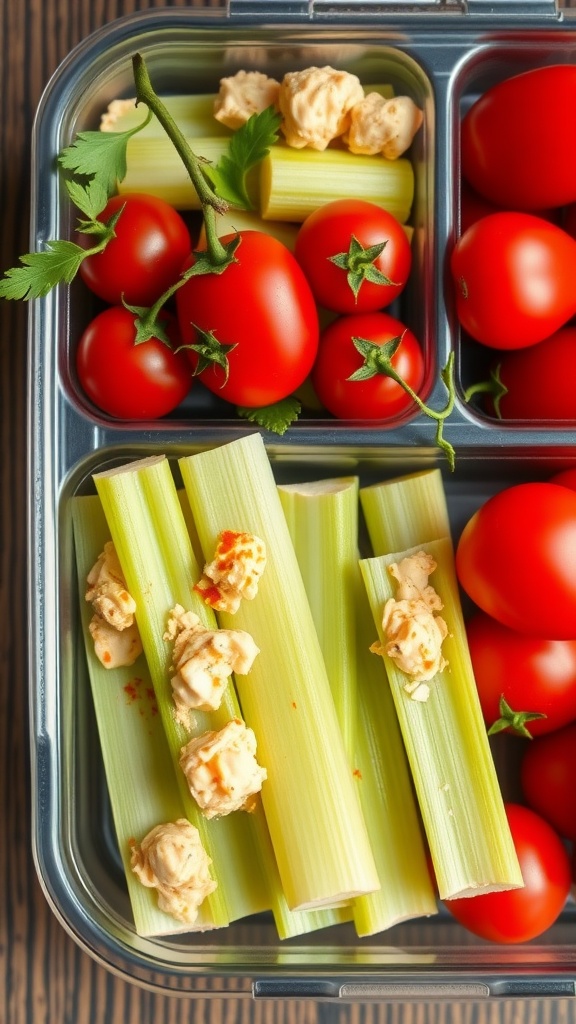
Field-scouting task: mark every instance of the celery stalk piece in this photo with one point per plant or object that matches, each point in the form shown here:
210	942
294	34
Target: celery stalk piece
295	182
312	808
406	510
147	526
194	115
448	750
387	796
139	771
243	220
322	517
154	166
323	520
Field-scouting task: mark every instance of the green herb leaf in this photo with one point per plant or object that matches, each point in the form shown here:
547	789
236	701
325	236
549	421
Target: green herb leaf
42	271
276	418
100	155
90	199
248	146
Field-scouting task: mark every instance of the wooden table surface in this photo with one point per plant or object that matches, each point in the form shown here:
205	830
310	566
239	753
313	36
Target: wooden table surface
44	977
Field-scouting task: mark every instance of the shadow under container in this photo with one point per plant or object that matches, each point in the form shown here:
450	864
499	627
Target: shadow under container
441	56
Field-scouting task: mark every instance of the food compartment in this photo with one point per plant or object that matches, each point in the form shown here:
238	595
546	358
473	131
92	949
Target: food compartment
191	60
522	369
76	847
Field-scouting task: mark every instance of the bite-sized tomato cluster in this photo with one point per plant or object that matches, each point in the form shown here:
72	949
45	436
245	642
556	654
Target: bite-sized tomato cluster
250	332
515	561
124	376
513	265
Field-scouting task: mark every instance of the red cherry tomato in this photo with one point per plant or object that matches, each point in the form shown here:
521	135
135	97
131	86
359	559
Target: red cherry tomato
361	281
513	277
518	140
378	397
538	380
146	255
262	305
518	915
547	779
127	380
516	559
532	674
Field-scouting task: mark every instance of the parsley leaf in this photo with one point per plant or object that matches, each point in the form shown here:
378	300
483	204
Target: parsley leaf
41	271
100	156
276	418
90	199
248	146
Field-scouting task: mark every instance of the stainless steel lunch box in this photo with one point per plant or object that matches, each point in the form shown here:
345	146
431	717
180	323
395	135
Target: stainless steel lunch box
443	55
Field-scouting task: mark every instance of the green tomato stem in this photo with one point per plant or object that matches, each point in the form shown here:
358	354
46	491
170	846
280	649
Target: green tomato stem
378	359
494	387
210	202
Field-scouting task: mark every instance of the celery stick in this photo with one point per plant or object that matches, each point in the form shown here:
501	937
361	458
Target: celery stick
154	166
387	796
406	510
139	771
323	521
194	115
242	220
312	808
295	182
147	526
447	746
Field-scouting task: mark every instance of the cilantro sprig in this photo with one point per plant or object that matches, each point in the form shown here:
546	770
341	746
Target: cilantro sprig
276	417
248	146
97	162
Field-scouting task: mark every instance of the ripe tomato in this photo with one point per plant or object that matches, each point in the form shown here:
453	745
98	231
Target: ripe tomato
518	915
519	142
127	380
513	276
372	250
539	380
547	779
532	674
378	397
516	559
262	306
146	255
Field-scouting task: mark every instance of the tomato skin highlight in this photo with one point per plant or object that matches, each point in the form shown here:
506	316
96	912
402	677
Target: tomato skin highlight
146	256
518	140
513	277
327	232
519	915
533	674
547	779
262	304
380	397
128	381
516	559
540	379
